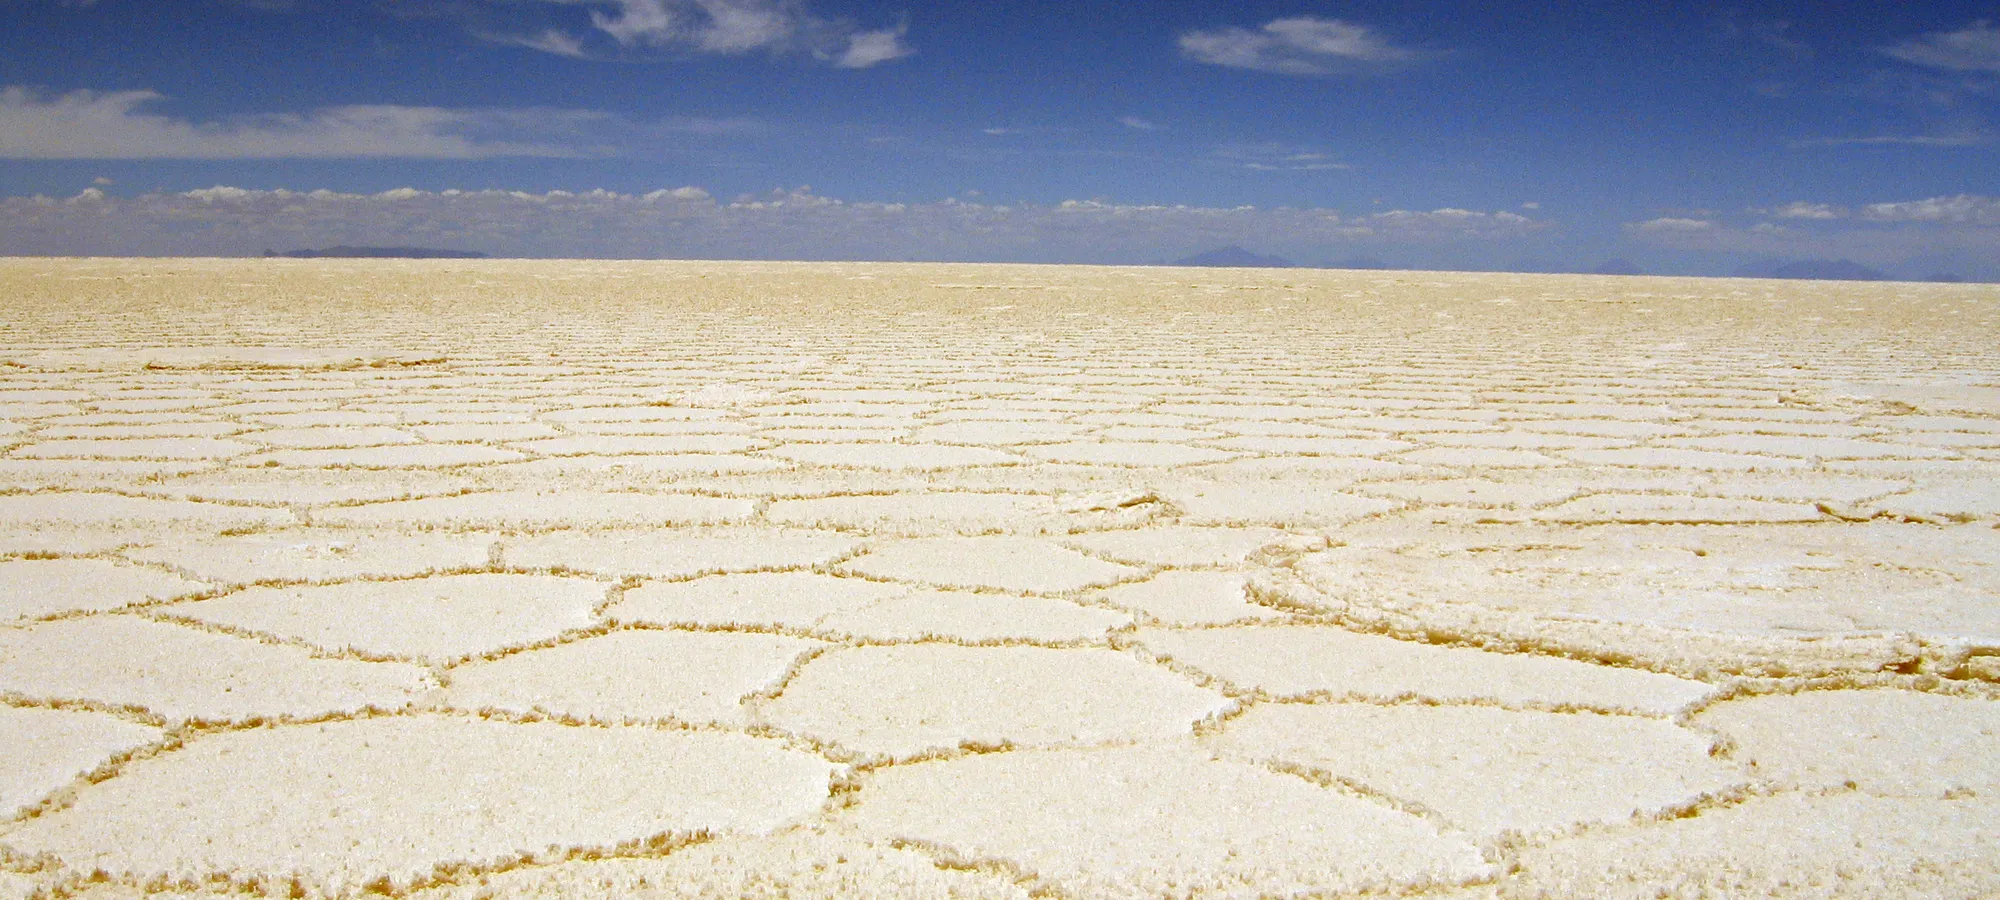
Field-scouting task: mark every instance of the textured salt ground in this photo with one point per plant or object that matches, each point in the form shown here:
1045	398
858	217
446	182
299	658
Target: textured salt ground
1071	582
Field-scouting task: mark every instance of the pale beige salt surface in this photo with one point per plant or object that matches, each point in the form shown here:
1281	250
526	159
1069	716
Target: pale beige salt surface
673	464
919	513
178	673
1676	509
902	700
892	456
542	509
341	804
1190	598
1187	545
16	886
1790	846
797	863
316	554
42	750
1491	771
1883	741
697	678
180	448
32	588
78	508
1126	453
1524	492
331	436
1153	821
434	619
1682	458
484	431
997	561
1284	504
1778	600
307	487
1309	661
324	418
1944	501
676	553
417	456
969	616
221	358
783	599
998	432
625	444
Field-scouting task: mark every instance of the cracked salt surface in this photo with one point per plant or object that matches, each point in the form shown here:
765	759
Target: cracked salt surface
1139	584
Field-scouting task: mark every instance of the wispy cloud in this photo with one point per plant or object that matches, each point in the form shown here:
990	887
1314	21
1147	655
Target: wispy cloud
1137	124
1966	138
688	222
1276	157
114	125
1305	45
625	29
1974	48
1880	234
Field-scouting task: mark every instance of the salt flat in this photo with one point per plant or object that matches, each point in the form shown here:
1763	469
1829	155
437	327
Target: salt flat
473	579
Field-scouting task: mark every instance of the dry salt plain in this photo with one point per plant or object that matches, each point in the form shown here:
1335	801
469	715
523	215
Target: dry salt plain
455	580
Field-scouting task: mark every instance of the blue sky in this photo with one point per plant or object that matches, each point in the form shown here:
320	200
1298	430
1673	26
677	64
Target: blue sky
1474	135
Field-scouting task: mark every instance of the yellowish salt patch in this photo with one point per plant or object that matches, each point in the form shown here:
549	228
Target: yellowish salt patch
537	509
1793	846
905	699
316	554
42	750
1884	741
1190	598
892	456
788	599
433	619
797	863
178	673
343	804
1005	562
32	588
1301	661
1182	545
1151	821
968	616
1491	771
696	678
676	553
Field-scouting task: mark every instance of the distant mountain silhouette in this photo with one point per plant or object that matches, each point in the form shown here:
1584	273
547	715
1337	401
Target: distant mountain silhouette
1361	262
1534	266
1944	277
1233	256
1617	267
1815	269
346	252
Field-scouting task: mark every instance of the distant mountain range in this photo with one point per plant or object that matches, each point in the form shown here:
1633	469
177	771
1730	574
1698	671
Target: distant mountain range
1236	257
1813	269
346	252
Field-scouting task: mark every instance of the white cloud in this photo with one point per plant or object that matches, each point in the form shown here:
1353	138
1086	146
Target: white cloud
1305	45
1878	234
1671	225
113	125
869	48
688	222
1974	48
1276	157
1964	209
1137	124
1960	138
727	27
1803	210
